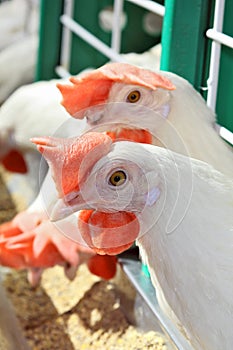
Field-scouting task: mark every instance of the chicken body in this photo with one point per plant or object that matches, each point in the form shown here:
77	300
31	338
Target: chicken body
21	58
30	110
179	210
18	18
18	47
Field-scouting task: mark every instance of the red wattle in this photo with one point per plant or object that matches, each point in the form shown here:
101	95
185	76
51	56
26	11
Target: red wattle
108	233
135	135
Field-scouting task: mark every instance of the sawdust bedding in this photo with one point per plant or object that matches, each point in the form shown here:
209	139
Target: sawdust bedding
83	314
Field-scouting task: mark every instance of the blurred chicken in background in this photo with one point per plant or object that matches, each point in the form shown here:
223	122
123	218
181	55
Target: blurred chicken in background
19	20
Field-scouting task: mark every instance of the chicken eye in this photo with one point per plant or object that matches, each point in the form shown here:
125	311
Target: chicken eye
117	178
133	96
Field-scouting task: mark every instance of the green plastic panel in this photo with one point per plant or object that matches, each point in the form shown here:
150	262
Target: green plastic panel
183	40
50	38
186	50
134	38
83	55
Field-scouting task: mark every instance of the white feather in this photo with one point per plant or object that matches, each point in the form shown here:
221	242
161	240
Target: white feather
191	264
33	110
17	65
17	19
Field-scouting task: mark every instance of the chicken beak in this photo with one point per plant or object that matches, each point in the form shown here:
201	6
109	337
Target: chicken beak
67	206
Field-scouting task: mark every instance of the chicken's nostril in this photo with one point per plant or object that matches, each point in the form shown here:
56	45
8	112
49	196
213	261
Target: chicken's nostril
72	201
93	118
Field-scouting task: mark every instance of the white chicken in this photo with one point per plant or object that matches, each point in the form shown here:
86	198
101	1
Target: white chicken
179	210
31	110
18	18
17	65
149	59
18	45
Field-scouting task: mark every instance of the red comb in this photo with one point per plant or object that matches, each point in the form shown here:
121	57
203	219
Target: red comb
93	88
70	158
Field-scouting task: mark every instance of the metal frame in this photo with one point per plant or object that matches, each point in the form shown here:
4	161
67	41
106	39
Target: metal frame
144	287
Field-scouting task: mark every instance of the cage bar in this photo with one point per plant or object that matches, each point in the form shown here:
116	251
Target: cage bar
150	6
215	56
116	30
90	38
